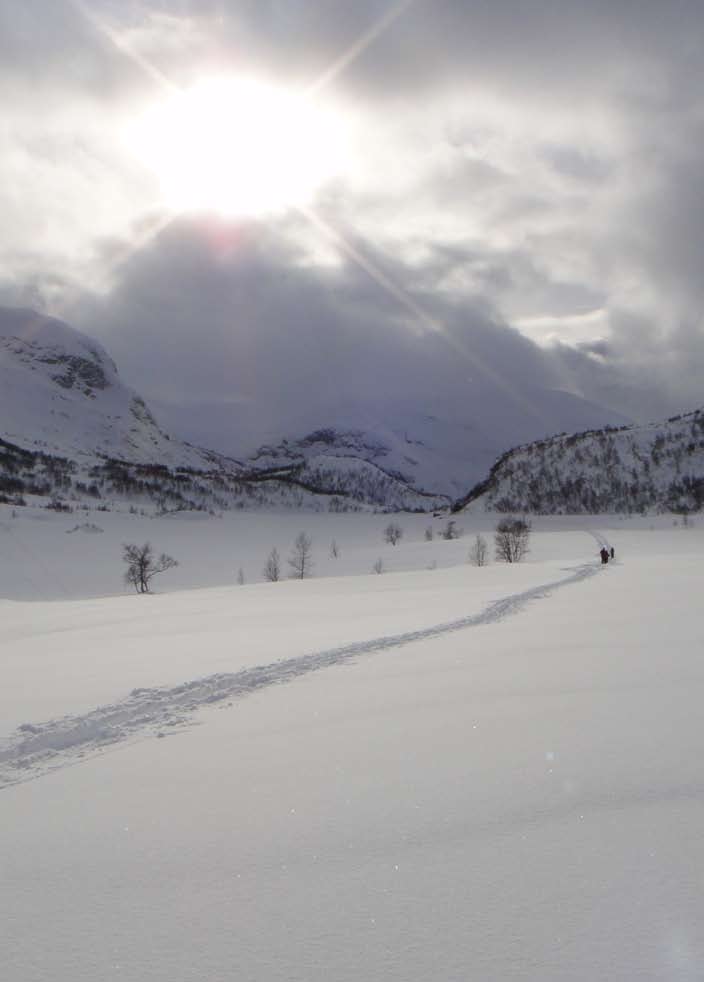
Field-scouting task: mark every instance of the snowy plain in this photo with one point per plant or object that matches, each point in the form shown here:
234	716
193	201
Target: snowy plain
441	772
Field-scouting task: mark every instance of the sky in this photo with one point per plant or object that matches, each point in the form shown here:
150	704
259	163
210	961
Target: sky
250	201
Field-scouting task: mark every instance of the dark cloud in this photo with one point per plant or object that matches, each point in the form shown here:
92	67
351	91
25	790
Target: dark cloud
239	318
578	163
50	50
556	47
643	371
666	219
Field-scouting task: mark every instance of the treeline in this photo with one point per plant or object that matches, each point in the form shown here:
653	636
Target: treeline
27	475
627	470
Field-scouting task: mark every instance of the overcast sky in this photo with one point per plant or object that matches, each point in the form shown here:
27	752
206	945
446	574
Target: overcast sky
515	182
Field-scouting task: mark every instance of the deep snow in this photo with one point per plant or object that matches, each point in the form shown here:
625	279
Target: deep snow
517	798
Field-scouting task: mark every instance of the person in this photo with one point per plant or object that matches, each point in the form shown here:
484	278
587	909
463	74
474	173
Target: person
604	555
612	552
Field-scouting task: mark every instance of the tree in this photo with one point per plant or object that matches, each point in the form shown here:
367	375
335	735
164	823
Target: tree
511	539
479	551
451	531
378	566
300	560
143	565
272	569
392	533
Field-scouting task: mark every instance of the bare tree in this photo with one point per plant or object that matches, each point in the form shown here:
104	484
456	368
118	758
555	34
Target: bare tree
272	569
392	533
143	565
300	560
378	566
511	539
479	552
451	531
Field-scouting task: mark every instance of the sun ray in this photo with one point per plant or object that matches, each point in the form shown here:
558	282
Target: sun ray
359	46
100	282
418	313
139	241
125	49
339	65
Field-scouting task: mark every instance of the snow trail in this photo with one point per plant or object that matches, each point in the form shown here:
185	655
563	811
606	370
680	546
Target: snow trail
601	540
36	749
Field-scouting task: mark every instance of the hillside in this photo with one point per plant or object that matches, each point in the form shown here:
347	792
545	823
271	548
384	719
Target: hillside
633	469
60	393
438	441
72	432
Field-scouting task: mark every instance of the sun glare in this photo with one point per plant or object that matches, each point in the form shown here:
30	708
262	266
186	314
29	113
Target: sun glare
237	147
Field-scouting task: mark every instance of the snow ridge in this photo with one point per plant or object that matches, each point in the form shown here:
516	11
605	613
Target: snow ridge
37	749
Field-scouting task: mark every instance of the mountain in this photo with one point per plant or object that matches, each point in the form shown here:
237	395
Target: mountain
71	430
70	427
439	444
60	393
631	469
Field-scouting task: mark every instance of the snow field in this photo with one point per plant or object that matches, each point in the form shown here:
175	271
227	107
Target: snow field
69	658
43	559
36	748
521	799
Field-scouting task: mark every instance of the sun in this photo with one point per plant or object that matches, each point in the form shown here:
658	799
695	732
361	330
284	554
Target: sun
238	147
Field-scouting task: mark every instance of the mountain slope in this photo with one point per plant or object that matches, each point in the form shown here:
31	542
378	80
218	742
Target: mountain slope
658	467
61	394
69	425
440	446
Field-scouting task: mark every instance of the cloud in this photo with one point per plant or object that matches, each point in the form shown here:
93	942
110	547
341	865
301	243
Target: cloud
534	164
238	316
54	49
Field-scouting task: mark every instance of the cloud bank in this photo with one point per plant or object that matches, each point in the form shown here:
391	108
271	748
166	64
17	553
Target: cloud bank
526	174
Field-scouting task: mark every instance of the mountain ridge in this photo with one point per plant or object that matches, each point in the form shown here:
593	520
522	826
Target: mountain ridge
656	466
70	428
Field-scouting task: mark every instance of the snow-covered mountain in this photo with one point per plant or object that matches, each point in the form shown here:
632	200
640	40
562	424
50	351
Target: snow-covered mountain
60	393
656	467
441	447
68	425
61	397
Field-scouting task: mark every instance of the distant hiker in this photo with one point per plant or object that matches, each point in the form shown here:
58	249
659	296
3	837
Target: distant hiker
612	552
604	555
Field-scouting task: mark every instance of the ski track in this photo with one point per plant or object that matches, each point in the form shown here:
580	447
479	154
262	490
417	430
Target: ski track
37	749
601	539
